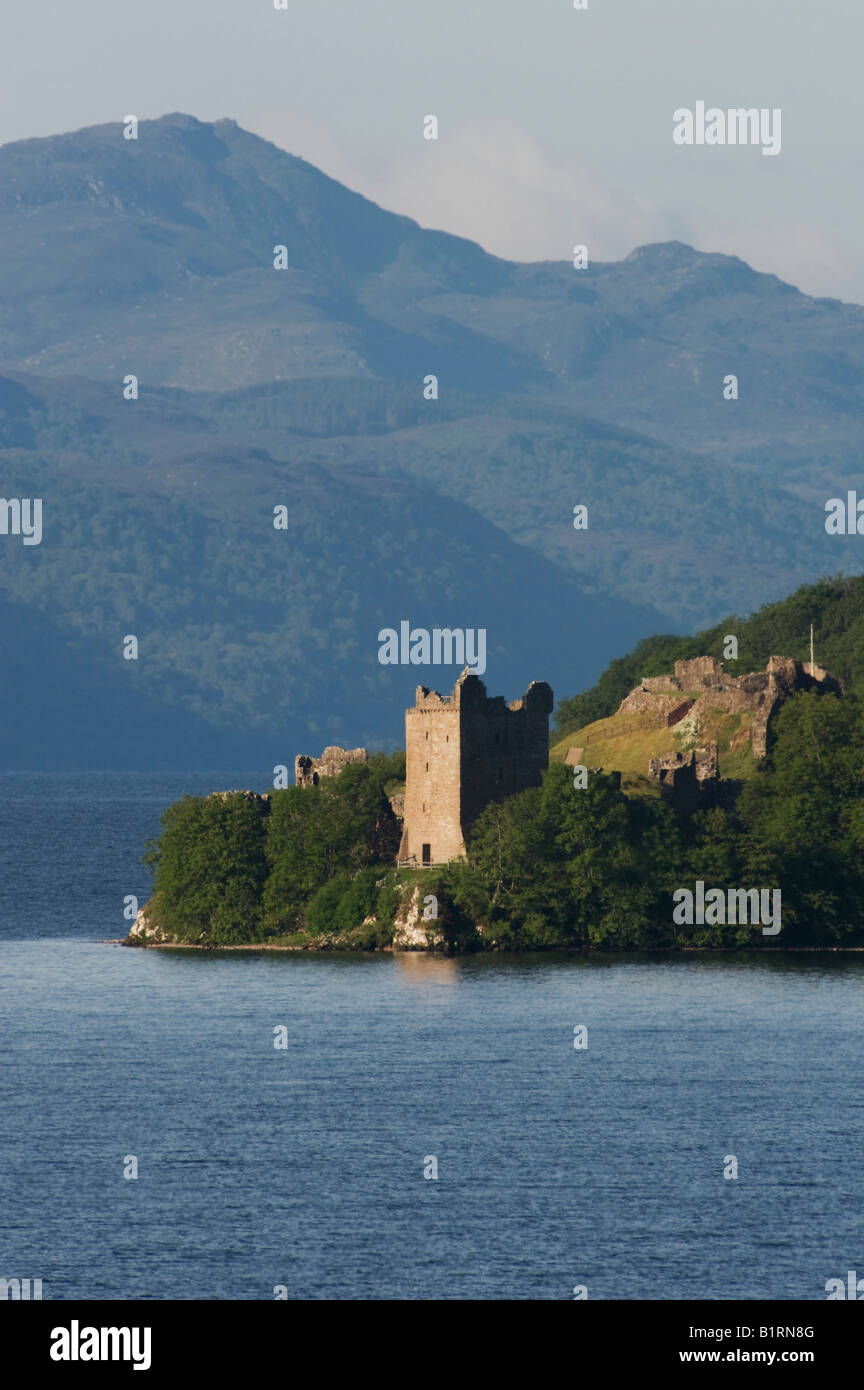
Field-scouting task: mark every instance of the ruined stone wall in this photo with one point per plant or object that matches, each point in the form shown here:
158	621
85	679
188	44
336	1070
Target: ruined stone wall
659	683
647	702
308	770
758	693
700	671
686	780
693	779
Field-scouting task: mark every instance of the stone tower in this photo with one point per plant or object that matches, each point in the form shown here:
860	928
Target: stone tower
463	751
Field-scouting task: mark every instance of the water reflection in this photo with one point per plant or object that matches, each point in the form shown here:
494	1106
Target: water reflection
423	968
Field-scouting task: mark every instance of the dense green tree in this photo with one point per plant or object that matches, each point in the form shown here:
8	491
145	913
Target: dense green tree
512	883
344	905
344	823
610	845
801	820
210	868
710	850
556	865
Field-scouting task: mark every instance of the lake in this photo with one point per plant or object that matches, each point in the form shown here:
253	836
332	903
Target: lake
302	1166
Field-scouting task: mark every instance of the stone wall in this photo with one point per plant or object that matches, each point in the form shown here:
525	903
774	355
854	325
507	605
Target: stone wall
687	780
650	703
308	770
704	761
700	671
659	683
758	693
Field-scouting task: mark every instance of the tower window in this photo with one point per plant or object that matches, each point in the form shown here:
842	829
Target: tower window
427	733
427	767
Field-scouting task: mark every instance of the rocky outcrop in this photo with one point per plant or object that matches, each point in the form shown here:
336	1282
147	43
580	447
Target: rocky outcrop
144	931
412	931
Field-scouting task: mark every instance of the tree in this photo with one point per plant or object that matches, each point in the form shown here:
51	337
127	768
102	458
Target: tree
210	868
802	820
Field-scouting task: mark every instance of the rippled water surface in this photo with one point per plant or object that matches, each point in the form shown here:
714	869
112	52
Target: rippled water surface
303	1166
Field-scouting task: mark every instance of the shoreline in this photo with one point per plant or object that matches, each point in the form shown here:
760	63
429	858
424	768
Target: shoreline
535	951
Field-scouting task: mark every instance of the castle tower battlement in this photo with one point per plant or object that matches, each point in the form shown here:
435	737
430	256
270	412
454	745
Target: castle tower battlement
462	751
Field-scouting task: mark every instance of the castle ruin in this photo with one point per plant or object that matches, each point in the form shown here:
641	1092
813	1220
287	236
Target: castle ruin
308	771
704	678
689	777
463	751
687	780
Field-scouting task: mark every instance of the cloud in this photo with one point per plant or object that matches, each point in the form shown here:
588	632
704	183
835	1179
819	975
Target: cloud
490	182
493	183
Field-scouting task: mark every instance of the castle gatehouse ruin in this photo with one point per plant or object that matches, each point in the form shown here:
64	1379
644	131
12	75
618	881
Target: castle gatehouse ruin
704	679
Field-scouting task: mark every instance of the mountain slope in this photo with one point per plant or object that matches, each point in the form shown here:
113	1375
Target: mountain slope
305	387
119	252
255	643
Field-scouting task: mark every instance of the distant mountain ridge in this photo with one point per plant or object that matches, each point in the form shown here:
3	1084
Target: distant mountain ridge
191	209
305	386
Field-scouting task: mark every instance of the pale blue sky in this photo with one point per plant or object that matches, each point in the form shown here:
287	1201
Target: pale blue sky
556	124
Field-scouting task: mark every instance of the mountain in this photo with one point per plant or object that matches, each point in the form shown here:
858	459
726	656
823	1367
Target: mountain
156	255
120	252
254	643
304	387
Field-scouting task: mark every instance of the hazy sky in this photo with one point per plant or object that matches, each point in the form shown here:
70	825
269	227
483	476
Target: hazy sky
555	124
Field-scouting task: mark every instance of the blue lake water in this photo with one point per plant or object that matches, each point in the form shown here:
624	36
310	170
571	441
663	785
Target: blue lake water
303	1166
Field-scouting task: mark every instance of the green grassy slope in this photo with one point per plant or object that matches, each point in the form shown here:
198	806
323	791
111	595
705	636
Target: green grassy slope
835	606
619	744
